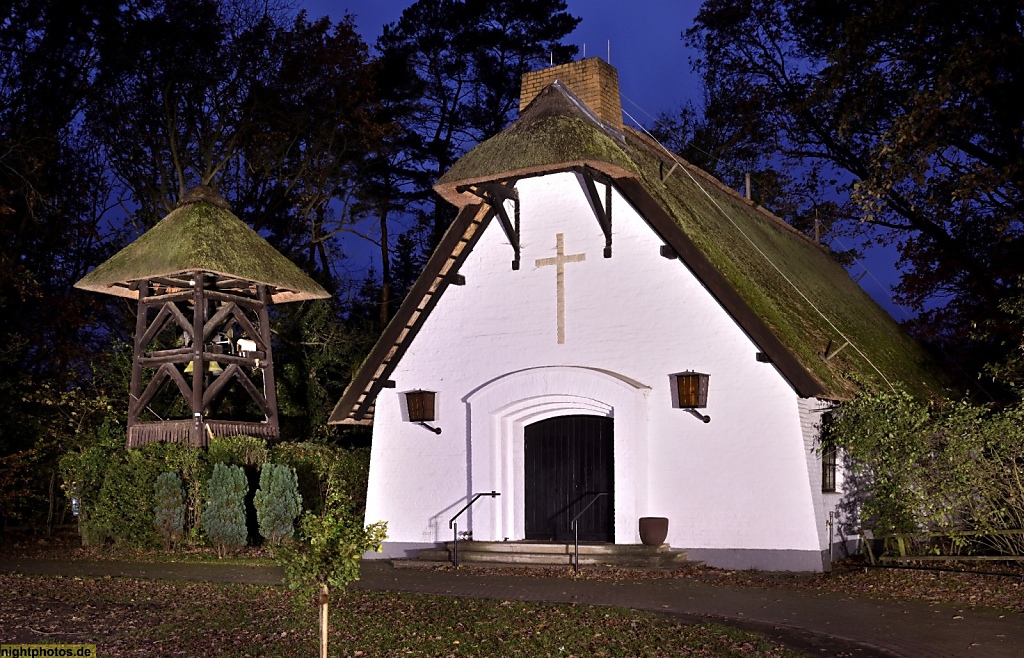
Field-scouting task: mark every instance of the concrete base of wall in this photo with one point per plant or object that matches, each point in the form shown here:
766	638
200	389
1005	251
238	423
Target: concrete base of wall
721	558
391	550
761	559
848	548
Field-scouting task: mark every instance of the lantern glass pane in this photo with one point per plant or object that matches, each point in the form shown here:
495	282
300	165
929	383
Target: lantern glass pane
692	389
421	406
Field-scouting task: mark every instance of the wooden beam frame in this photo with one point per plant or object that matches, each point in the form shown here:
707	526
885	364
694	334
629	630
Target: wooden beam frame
235	308
603	213
495	195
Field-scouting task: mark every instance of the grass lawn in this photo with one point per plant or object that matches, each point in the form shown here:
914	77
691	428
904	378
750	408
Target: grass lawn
162	618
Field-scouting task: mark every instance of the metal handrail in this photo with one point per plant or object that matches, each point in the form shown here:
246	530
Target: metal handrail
576	528
452	523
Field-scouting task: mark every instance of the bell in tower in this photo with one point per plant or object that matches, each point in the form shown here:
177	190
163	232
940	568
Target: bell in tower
202	363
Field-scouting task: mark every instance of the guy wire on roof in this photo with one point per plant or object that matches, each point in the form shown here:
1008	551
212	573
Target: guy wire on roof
912	319
758	249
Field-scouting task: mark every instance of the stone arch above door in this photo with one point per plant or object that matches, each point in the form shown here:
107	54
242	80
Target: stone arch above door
498	411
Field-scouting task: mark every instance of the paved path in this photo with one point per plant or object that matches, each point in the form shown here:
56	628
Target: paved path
820	623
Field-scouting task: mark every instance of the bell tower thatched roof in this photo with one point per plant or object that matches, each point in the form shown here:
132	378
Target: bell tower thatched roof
202	234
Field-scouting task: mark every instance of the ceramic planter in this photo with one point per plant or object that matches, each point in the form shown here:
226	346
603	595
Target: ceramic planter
653	530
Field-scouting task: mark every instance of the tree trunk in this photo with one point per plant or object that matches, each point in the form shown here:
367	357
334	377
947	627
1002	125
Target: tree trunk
49	515
385	266
324	598
81	524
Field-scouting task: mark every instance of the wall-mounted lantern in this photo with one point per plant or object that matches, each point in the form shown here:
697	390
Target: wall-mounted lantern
690	392
420	406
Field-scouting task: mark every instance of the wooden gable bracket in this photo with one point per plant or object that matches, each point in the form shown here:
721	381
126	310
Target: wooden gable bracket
495	195
603	213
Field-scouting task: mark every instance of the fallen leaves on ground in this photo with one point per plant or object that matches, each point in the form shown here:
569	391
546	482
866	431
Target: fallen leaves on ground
168	618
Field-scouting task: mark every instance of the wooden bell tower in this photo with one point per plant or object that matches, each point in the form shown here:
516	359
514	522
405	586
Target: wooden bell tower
202	363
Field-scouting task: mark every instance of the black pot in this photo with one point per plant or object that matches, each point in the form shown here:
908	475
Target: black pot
653	530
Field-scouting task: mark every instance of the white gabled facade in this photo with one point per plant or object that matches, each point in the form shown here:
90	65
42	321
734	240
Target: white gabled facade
743	491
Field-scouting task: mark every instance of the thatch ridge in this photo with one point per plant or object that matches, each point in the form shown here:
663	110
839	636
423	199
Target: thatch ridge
204	194
805	296
554	131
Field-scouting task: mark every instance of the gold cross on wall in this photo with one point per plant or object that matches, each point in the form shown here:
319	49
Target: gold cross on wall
559	262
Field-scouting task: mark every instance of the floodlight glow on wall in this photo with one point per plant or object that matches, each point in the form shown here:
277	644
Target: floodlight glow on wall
690	392
420	406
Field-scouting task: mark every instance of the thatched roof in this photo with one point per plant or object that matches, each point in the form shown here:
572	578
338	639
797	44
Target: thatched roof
202	233
560	132
823	333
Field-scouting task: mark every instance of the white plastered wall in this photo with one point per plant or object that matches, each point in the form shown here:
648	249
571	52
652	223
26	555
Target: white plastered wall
812	412
490	350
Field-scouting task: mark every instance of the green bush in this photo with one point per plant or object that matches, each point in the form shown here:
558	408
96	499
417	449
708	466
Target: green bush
332	537
124	511
321	468
114	486
224	516
84	472
238	450
329	549
169	507
277	502
945	467
195	468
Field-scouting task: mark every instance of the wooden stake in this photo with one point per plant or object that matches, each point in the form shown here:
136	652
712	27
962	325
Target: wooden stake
324	598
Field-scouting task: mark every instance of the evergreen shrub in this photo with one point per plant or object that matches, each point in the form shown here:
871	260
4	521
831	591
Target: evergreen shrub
224	517
277	502
169	507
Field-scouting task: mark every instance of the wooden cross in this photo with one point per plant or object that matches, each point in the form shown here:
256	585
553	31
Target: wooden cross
559	262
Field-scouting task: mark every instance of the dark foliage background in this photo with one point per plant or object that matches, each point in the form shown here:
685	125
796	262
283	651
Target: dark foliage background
110	112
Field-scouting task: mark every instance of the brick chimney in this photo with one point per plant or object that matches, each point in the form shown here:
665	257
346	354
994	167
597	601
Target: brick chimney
593	80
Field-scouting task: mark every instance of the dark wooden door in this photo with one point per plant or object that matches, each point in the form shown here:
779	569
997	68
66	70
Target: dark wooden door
568	459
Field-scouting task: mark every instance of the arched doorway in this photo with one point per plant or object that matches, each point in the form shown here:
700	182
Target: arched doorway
567	461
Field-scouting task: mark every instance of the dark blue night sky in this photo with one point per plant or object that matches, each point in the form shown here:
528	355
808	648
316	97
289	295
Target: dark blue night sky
654	76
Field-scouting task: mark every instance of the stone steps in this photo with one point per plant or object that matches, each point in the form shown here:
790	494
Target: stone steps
539	554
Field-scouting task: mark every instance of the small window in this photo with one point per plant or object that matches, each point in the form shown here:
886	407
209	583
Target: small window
828	467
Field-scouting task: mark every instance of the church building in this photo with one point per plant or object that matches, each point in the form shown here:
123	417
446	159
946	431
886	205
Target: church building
606	325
